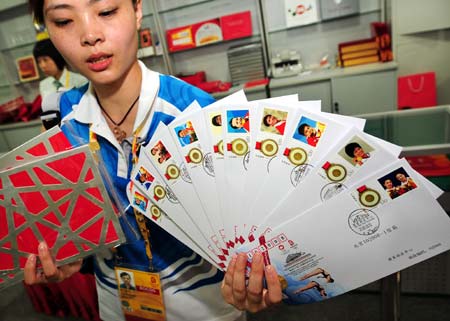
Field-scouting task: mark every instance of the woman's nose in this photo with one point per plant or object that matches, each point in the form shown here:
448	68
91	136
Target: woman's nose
91	31
91	38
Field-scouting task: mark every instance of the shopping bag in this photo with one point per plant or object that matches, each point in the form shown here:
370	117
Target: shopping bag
418	90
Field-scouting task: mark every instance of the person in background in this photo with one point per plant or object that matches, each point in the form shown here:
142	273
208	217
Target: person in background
53	65
99	39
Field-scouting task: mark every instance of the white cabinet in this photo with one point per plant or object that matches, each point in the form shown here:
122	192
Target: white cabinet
348	91
318	90
365	93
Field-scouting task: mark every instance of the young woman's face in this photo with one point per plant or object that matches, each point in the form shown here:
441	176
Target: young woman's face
97	37
48	66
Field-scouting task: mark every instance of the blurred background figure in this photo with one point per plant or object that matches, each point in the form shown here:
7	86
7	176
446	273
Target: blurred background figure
53	65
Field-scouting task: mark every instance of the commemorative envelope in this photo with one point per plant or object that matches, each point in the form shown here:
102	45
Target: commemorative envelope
213	119
236	143
163	154
197	159
271	124
355	156
309	140
382	224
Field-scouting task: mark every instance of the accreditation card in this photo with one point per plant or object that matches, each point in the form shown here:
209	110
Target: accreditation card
140	295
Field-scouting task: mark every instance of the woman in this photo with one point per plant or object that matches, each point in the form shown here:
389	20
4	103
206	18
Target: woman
53	66
122	105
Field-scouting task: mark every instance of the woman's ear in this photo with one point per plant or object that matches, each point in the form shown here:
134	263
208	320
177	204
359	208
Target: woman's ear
138	10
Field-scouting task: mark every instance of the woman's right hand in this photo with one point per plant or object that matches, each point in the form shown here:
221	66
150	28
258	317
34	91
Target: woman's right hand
49	272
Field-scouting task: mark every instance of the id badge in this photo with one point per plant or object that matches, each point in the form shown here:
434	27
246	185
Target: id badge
140	295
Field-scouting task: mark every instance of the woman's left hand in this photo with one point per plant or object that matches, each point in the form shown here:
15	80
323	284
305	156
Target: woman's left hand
253	297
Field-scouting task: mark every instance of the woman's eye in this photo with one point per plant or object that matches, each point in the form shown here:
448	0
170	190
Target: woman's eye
61	23
107	13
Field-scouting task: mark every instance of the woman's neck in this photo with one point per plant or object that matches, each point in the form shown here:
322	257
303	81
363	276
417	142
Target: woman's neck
116	97
58	74
119	102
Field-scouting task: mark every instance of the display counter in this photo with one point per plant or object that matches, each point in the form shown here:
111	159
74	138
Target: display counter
15	134
348	91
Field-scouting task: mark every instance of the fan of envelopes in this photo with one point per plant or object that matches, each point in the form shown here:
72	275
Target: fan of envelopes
53	192
280	177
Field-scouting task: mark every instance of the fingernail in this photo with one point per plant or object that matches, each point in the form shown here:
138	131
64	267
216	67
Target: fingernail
42	246
257	257
32	258
269	268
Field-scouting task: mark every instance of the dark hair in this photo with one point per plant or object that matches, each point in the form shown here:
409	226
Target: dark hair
231	123
36	8
124	274
265	120
301	129
46	48
214	120
350	149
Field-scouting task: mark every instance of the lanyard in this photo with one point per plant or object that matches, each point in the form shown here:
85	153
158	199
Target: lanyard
66	85
140	219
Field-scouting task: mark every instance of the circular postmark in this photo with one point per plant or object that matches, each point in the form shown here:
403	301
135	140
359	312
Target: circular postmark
299	172
195	155
239	146
185	174
269	147
330	190
246	161
270	162
171	196
363	221
208	164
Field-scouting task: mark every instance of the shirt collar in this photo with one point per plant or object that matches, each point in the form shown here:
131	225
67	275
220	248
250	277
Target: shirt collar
88	111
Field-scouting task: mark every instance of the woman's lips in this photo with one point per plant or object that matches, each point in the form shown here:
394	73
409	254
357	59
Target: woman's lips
99	62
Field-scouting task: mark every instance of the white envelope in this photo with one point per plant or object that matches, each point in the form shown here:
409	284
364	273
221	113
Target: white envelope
198	160
213	119
357	237
272	121
236	131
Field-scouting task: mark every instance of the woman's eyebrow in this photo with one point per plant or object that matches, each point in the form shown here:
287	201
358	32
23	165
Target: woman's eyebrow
57	6
66	6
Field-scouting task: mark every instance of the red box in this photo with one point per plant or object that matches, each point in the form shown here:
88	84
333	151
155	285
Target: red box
195	35
207	32
180	38
237	25
195	78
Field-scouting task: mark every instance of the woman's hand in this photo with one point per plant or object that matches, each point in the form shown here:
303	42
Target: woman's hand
253	297
50	272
